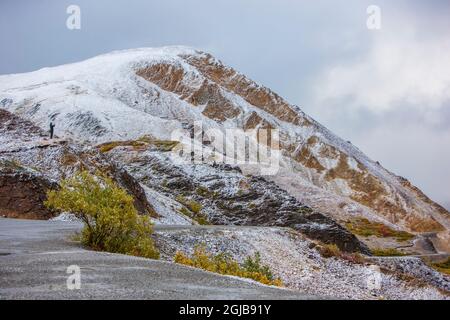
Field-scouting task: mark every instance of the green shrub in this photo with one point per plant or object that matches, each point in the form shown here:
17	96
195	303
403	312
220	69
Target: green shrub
223	263
186	212
253	264
108	146
194	206
111	222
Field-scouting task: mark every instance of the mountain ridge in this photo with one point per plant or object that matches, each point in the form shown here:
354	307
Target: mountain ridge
116	96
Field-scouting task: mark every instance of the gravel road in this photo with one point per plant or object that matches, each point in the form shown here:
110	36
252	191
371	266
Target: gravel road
35	255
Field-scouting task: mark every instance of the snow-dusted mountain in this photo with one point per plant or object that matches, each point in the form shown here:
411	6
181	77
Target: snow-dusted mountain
128	94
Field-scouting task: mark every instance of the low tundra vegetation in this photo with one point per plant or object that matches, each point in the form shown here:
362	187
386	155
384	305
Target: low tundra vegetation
332	250
111	222
387	252
192	209
364	227
223	263
443	267
108	146
142	143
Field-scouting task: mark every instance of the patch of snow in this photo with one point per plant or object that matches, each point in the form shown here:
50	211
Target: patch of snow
65	216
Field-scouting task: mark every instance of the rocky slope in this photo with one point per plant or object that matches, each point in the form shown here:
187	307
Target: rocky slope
296	261
149	118
209	194
127	94
222	195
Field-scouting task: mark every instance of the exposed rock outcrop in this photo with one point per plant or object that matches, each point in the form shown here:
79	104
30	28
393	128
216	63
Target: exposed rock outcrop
117	113
22	195
127	94
331	163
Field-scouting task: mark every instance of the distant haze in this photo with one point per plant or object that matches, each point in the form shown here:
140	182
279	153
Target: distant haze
388	90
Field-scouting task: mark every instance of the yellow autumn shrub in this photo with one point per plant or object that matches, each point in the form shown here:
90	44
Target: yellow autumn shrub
223	263
111	222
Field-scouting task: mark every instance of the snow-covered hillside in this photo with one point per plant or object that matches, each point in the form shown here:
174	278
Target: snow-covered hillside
125	95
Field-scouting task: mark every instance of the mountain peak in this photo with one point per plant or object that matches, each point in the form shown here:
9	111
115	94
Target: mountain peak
127	94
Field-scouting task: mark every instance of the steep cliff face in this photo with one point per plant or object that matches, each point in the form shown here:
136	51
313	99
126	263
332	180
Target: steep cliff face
128	94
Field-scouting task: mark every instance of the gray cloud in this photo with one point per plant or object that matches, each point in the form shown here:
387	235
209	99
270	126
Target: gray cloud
393	100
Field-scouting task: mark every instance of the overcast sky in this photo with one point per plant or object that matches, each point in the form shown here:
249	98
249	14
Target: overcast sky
387	90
